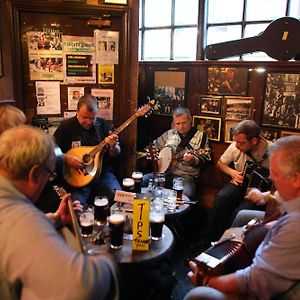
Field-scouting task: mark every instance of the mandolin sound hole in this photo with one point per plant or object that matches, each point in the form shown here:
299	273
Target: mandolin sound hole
87	159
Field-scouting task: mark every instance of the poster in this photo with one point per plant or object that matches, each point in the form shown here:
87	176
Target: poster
74	93
45	55
107	47
48	97
105	100
79	58
106	74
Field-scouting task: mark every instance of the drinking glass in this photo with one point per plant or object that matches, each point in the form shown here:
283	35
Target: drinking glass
171	202
116	225
159	179
178	187
128	185
157	218
101	208
137	177
86	221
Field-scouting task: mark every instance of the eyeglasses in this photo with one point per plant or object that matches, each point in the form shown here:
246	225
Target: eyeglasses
52	174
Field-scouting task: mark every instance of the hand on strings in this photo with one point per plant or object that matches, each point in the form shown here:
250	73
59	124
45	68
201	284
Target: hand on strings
73	161
190	158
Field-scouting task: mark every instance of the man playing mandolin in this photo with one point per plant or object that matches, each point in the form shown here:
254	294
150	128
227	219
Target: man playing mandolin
86	129
187	145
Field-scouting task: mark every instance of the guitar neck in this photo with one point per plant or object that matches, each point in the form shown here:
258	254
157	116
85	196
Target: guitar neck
101	145
233	48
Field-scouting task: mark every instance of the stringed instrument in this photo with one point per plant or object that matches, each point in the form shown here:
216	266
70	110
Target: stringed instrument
162	160
75	228
92	155
280	40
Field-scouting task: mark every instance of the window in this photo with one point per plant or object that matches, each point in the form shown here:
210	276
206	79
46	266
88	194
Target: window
169	28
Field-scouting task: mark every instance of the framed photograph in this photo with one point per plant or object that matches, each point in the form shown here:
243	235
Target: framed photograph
169	91
269	134
229	126
281	107
238	108
209	104
122	2
287	133
227	81
1	73
210	125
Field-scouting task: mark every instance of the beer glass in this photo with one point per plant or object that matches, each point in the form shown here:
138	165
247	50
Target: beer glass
178	187
159	179
157	219
101	208
137	177
128	185
171	200
86	221
116	225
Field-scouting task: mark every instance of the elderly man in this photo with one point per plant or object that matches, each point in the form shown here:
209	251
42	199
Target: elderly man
248	146
36	262
184	141
275	269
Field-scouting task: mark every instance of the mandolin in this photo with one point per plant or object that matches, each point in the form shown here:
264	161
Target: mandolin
280	40
92	155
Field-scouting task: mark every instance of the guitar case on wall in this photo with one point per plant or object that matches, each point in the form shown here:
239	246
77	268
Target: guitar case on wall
280	40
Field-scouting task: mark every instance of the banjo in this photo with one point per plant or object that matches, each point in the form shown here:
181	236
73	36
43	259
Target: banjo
162	160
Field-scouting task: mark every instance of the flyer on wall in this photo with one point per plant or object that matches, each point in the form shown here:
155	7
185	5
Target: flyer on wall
79	59
107	47
48	97
74	93
45	54
105	100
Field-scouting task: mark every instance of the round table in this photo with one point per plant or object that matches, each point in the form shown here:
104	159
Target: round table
126	255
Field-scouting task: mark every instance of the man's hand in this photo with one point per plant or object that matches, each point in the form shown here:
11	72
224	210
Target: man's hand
237	177
256	196
196	276
73	161
191	159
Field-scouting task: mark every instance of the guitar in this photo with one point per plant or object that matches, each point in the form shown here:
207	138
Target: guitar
280	41
92	155
74	223
163	160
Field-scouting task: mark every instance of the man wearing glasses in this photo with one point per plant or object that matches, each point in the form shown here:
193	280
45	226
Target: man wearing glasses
248	146
36	262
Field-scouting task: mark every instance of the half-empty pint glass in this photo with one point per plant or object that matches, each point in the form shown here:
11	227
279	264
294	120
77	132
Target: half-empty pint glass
128	185
178	187
157	219
116	226
101	209
137	177
86	221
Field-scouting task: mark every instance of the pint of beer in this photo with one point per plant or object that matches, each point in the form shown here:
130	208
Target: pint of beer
86	221
116	226
101	209
157	219
178	187
128	185
137	177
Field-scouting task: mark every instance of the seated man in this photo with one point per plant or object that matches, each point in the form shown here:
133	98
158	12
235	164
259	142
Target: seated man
184	141
86	129
248	146
36	263
275	269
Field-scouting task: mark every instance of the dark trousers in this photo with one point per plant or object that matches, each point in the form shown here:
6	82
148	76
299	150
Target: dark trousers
227	203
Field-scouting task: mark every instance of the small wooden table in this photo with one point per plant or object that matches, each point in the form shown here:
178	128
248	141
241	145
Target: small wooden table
126	256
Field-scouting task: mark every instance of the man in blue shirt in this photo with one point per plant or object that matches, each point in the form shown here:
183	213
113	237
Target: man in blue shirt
275	269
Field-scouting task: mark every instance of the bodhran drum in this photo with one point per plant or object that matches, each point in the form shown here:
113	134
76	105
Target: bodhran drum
164	159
